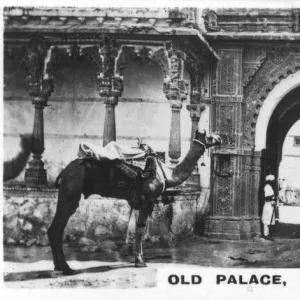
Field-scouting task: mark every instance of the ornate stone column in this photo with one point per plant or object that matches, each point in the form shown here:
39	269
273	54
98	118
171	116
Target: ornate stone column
40	87
109	133
175	133
176	91
195	113
234	213
110	88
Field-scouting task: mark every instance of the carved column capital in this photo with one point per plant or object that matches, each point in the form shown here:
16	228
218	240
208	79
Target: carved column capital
175	105
39	84
175	88
110	101
110	85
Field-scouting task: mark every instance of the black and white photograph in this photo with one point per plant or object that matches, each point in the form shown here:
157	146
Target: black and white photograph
151	147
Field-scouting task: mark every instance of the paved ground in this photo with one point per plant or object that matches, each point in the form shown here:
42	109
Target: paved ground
32	267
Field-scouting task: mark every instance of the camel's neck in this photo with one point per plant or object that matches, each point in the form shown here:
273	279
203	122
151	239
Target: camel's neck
183	170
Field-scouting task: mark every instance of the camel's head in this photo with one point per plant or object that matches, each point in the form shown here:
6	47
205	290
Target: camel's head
145	147
207	140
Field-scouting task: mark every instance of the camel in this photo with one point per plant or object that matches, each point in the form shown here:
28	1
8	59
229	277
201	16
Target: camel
12	168
106	178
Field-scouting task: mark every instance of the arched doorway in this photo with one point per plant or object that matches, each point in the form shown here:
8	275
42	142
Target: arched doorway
284	116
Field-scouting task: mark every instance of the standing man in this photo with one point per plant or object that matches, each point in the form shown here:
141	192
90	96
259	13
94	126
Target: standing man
268	214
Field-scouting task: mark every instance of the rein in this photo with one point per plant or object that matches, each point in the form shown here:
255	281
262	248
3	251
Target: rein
194	140
164	174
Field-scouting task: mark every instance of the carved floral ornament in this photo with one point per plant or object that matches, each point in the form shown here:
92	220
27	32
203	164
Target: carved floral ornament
211	21
224	189
103	57
39	85
169	58
110	59
130	19
273	71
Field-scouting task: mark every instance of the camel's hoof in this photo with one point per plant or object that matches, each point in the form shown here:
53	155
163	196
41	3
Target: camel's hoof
69	272
140	264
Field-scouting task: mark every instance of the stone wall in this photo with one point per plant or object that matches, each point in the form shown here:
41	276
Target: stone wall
28	213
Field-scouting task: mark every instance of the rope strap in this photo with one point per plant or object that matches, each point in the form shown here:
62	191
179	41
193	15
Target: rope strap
194	140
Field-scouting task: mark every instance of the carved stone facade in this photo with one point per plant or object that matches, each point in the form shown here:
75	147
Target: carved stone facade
233	59
234	214
279	64
111	39
246	73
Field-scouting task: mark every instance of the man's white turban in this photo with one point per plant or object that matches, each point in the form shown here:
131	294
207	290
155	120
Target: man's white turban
270	177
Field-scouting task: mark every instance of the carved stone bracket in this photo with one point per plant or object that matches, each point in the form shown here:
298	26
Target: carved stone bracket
109	83
196	74
211	21
39	84
175	88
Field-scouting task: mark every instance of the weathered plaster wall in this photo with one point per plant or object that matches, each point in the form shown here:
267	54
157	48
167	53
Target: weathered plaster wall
28	214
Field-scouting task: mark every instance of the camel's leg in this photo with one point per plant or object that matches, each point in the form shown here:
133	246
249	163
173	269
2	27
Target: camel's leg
50	238
140	232
55	233
68	201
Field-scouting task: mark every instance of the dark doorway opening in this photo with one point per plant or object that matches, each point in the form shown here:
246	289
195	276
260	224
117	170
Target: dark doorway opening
286	114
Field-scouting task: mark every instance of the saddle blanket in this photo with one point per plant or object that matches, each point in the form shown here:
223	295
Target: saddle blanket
111	151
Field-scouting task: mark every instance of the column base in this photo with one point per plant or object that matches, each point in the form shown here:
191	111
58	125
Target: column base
232	228
36	177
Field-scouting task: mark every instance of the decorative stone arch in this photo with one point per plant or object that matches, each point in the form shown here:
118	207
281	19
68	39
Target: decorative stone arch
171	60
129	53
162	55
275	69
272	99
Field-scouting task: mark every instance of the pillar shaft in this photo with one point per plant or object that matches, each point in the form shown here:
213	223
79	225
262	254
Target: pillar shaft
36	175
175	134
110	87
176	90
195	113
109	133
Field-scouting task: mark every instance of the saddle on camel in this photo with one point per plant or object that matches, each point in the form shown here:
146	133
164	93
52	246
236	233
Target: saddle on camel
135	164
113	171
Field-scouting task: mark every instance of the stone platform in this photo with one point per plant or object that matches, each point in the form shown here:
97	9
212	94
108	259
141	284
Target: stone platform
28	212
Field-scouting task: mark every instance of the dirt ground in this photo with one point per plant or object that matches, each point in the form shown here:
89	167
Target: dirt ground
32	267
